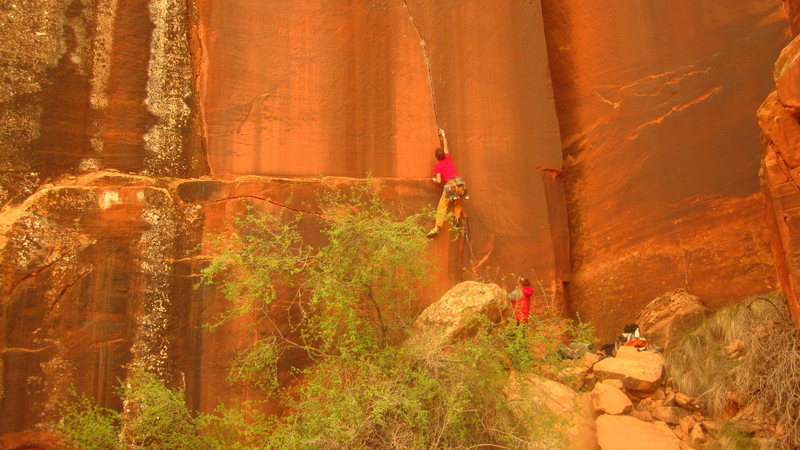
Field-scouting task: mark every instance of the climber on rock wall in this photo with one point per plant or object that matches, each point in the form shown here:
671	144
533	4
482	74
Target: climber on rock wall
454	189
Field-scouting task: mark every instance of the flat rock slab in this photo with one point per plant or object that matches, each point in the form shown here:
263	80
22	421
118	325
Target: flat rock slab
609	399
639	371
630	433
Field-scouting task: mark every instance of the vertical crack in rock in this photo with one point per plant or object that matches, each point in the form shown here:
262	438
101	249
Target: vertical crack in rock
197	53
424	46
32	42
150	349
169	85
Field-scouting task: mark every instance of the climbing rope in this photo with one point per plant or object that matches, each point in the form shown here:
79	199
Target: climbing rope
424	46
469	243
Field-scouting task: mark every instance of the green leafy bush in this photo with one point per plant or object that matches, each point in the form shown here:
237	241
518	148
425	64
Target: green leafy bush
86	425
156	416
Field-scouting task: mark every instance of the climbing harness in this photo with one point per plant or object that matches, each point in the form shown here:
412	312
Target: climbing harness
455	188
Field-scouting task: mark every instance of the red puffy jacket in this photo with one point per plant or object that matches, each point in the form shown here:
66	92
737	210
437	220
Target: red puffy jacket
522	307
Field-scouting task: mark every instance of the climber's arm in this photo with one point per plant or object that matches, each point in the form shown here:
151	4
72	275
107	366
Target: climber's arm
444	141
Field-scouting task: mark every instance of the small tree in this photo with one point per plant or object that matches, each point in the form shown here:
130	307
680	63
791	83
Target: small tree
356	293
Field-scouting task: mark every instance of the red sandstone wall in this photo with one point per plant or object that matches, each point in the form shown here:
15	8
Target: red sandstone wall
343	88
348	89
96	274
792	8
655	102
652	105
779	171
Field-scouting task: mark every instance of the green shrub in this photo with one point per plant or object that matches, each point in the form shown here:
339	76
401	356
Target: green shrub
256	364
240	427
156	416
87	426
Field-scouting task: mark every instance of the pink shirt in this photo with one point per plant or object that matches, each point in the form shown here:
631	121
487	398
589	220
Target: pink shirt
446	168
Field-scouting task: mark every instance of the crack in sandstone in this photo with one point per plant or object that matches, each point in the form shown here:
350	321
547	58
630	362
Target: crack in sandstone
657	76
705	96
427	62
273	202
614	105
628	89
35	272
250	111
671	82
786	170
64	290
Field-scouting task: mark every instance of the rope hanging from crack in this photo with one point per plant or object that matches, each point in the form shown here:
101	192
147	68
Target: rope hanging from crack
424	46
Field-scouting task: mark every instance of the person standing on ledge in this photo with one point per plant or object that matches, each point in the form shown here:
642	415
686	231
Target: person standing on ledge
454	190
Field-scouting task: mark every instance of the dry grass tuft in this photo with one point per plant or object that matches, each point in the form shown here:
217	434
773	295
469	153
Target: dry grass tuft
749	353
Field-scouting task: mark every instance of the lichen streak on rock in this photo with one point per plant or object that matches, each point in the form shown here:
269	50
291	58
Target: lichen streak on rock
32	43
169	84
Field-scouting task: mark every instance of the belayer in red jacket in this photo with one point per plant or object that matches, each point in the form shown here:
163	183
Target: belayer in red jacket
522	306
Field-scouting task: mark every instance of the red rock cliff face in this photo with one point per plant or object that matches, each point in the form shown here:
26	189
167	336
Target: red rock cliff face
793	11
97	274
362	88
778	117
130	129
655	101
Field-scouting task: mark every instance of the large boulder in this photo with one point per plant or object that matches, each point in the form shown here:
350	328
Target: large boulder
639	371
530	393
630	433
457	314
668	317
609	399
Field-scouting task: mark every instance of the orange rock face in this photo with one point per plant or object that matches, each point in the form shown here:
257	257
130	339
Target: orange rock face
793	11
351	89
656	104
130	129
778	117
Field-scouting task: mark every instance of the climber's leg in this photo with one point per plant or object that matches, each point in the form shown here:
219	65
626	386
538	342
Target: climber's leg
441	210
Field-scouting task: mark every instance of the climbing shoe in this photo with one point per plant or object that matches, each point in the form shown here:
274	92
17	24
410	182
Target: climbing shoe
433	232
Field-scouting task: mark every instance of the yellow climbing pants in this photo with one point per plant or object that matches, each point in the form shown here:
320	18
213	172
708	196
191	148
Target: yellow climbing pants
441	209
